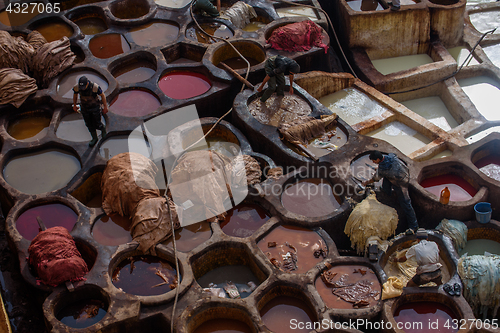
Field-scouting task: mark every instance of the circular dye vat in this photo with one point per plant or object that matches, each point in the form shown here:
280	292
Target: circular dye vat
310	197
239	275
83	313
154	34
13	19
112	230
134	103
223	325
305	245
173	3
480	246
254	26
183	85
123	144
129	9
243	220
91	25
281	310
29	128
279	109
490	166
363	168
66	84
140	274
416	317
360	280
187	238
52	215
332	140
80	56
107	46
460	189
218	144
137	71
54	30
213	28
238	63
72	128
42	171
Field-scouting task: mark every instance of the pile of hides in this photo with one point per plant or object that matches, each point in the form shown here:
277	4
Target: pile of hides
32	57
56	259
456	230
356	293
305	128
297	37
129	189
481	278
370	218
239	14
204	181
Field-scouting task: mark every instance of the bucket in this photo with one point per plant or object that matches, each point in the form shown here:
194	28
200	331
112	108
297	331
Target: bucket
483	212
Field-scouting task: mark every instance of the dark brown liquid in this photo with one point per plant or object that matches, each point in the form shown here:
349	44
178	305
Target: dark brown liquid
238	63
55	31
107	46
311	198
112	230
223	325
214	28
82	314
243	220
189	237
280	311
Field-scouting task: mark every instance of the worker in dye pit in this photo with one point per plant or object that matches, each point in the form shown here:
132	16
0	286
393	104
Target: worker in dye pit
276	68
427	256
396	177
90	105
206	7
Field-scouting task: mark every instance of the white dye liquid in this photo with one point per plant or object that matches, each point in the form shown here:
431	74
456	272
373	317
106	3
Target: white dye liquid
485	21
444	153
173	3
365	5
66	84
297	11
123	144
433	109
401	136
352	105
493	53
483	91
396	64
72	128
460	53
476	137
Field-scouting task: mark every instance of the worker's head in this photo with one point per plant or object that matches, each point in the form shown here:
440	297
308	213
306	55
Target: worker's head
83	82
376	156
294	68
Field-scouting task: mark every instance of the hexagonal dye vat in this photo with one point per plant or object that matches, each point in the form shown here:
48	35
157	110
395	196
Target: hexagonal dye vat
67	82
415	317
243	220
364	5
189	237
434	110
91	25
134	103
460	189
352	105
112	230
279	109
483	91
154	34
395	64
331	140
493	53
293	249
72	128
226	277
184	84
52	215
145	276
401	136
485	20
256	24
490	166
53	30
312	197
29	127
481	247
363	168
349	286
41	171
281	310
216	29
107	46
253	52
460	53
124	143
136	71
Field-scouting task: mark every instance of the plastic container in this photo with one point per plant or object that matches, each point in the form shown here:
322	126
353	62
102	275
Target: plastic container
483	212
444	198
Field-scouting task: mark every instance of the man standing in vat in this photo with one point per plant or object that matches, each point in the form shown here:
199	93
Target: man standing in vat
396	176
276	68
91	106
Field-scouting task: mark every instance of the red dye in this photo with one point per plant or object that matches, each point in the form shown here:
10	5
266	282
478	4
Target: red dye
310	197
278	313
189	237
134	103
183	85
460	189
426	317
112	230
107	46
223	325
490	166
52	215
243	220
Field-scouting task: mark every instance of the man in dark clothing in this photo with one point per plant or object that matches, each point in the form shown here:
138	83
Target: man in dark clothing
91	106
276	68
206	6
396	176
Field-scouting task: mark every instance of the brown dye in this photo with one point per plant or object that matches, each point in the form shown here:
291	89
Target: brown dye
82	314
303	242
278	313
138	71
130	11
279	109
333	139
213	28
154	34
355	273
15	19
91	25
223	325
54	31
29	128
112	230
310	197
238	63
107	46
95	202
243	220
187	238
